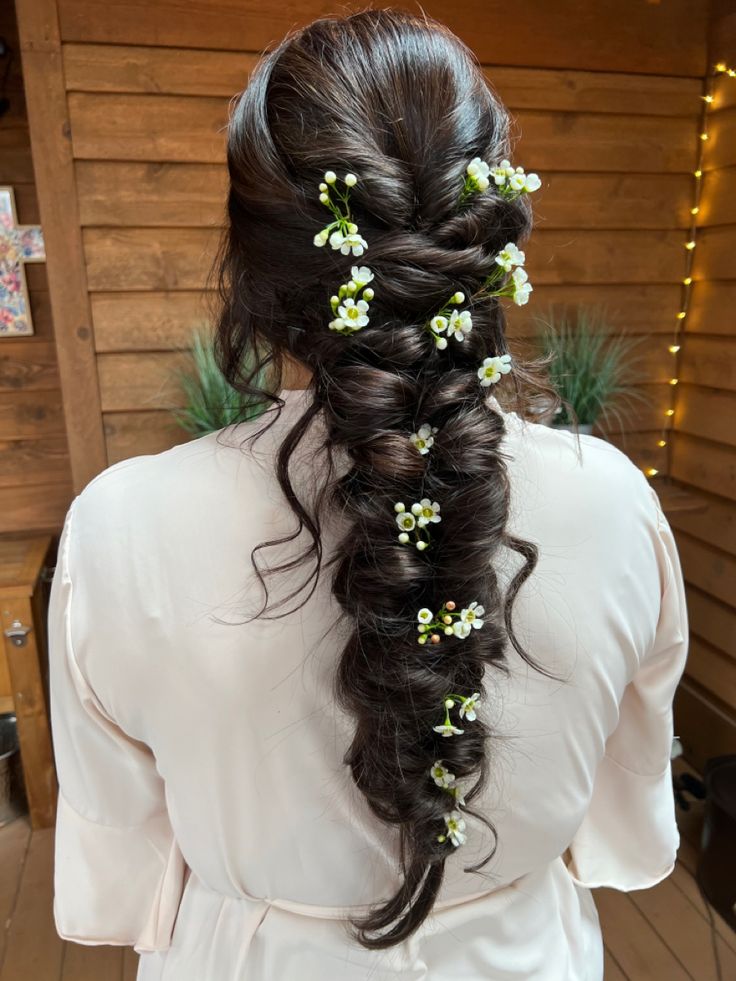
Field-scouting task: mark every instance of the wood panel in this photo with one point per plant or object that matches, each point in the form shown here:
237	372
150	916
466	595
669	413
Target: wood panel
706	412
713	669
712	521
651	38
721	147
710	361
713	621
54	172
131	433
182	71
128	127
718	202
708	568
141	381
714	253
167	194
712	304
149	321
709	466
180	258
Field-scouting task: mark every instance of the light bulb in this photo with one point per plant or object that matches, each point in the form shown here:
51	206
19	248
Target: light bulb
708	98
694	211
681	315
674	381
690	245
720	67
652	471
673	348
698	173
670	412
688	280
661	442
703	136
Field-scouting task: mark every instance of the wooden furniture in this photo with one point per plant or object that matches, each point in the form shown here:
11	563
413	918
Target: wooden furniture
23	687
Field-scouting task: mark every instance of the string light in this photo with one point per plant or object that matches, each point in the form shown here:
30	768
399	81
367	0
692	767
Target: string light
707	100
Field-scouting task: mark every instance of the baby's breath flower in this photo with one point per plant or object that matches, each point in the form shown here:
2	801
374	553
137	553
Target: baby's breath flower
361	275
522	288
427	511
492	369
351	180
406	521
354	314
330	176
467	707
439	324
512	181
441	775
460	629
423	438
477	177
425	615
320	238
456	828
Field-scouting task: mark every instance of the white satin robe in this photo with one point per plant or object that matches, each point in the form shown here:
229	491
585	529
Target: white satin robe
205	815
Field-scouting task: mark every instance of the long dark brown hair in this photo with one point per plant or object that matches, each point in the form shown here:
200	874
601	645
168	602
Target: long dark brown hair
402	103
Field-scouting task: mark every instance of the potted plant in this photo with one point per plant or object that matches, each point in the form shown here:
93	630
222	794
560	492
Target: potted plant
592	368
211	403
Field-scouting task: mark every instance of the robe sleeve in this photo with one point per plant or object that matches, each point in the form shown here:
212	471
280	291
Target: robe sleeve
629	837
118	872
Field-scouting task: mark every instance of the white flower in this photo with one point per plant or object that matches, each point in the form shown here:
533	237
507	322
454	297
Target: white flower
473	615
456	828
460	325
423	439
522	288
330	176
441	775
457	794
510	256
337	324
403	538
501	172
492	369
516	183
532	182
425	615
422	545
351	180
458	297
441	342
478	168
467	707
353	242
320	238
461	629
447	729
324	197
427	511
406	521
354	314
438	324
361	275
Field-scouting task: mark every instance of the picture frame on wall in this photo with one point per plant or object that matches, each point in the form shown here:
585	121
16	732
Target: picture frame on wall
19	244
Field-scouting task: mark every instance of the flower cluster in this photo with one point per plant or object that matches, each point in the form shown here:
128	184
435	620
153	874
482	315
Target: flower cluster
415	520
450	320
342	233
350	304
448	622
454	821
467	711
510	181
423	438
517	286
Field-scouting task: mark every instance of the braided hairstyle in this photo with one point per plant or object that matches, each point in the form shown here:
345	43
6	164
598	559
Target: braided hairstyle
402	103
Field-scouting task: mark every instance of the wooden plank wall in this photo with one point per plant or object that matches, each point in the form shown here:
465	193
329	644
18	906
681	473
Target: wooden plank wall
35	479
704	445
605	106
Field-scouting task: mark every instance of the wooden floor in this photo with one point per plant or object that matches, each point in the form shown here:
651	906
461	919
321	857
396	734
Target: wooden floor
659	934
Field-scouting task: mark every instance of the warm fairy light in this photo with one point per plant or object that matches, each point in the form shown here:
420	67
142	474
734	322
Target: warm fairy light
662	442
674	381
687	280
720	67
694	211
673	348
708	98
698	173
681	315
690	245
652	471
670	412
703	136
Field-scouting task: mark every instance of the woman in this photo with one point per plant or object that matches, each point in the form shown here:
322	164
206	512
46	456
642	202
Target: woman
378	685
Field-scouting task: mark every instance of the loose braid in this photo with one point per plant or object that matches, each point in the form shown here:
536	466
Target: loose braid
400	102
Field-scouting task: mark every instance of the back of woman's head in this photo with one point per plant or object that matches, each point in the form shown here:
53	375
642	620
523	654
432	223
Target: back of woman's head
402	104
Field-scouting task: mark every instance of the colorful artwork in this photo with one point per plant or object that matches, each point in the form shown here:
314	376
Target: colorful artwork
18	244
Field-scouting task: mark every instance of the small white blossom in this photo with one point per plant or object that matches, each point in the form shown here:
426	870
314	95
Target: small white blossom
441	775
427	511
337	324
460	325
324	198
502	172
399	507
458	297
532	182
320	238
456	828
423	439
422	545
354	313
351	180
441	342
492	369
467	707
461	629
330	176
522	288
406	521
438	324
457	794
473	615
478	170
403	538
510	256
361	275
425	615
517	182
447	729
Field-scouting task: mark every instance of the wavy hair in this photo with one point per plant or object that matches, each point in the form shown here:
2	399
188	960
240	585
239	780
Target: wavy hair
402	103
